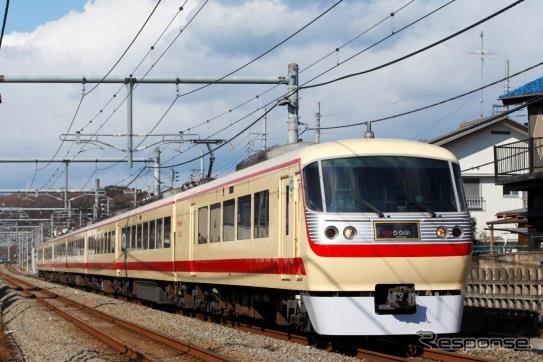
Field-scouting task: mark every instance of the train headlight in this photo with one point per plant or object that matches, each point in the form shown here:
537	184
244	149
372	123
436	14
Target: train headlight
349	232
456	231
441	232
331	232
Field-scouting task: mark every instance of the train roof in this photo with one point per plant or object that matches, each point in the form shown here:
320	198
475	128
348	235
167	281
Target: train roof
373	146
304	154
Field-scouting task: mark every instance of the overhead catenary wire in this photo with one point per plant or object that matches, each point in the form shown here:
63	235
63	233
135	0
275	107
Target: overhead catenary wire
151	48
435	104
245	65
501	115
127	48
303	86
227	141
4	22
350	41
286	95
84	93
418	51
367	71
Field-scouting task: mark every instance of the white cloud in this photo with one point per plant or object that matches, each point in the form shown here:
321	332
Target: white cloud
227	34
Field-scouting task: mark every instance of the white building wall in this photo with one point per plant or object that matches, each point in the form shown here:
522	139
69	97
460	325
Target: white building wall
475	153
495	202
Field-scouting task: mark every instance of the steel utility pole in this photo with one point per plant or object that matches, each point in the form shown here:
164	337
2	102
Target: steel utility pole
96	199
292	103
156	171
318	123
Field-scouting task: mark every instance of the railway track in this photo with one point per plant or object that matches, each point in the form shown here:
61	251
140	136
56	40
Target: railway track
134	341
187	349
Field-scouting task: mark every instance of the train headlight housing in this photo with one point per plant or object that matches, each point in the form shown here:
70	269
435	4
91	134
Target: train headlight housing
349	232
456	231
441	232
331	232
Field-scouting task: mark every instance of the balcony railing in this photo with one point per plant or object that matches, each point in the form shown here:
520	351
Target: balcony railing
518	158
475	203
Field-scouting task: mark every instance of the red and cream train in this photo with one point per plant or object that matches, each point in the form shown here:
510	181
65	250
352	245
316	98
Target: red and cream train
357	237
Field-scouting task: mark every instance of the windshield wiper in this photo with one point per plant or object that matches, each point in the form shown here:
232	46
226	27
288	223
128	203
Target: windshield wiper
370	206
420	207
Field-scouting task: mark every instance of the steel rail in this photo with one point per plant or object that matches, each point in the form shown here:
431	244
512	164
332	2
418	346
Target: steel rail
361	353
122	347
446	356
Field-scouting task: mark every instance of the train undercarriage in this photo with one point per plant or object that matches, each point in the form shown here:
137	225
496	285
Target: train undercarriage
216	302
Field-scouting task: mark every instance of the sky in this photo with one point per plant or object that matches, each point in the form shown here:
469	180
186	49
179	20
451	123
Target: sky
75	38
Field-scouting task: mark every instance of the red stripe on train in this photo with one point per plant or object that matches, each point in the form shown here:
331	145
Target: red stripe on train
251	266
392	250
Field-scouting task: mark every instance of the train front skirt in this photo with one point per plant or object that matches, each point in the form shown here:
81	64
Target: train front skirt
356	316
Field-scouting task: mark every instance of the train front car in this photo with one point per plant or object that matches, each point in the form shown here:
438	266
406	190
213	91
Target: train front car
388	238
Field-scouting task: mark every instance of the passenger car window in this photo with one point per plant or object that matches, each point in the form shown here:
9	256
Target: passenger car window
228	217
167	230
202	225
215	223
261	214
244	217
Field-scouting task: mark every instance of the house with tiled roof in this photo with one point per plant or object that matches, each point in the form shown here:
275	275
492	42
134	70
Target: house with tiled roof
518	165
473	144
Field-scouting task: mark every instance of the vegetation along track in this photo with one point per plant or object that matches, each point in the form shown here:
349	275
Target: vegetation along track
135	341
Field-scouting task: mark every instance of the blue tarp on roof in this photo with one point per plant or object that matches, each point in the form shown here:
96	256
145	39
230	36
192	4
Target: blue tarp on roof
534	87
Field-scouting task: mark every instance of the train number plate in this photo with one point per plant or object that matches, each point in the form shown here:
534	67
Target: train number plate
396	230
395	299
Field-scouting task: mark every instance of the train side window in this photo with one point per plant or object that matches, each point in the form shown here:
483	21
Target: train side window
287	208
244	217
312	185
152	236
261	214
215	223
159	235
228	217
133	245
124	238
113	233
202	225
167	230
139	236
145	235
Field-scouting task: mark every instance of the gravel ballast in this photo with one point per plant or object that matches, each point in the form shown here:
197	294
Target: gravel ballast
42	336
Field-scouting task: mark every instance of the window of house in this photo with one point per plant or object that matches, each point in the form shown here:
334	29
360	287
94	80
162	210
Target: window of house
228	218
244	217
509	193
261	214
472	188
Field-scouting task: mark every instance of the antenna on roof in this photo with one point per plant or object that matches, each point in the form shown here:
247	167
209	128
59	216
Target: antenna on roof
482	52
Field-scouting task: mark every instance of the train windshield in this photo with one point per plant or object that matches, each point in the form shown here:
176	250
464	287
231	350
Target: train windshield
380	184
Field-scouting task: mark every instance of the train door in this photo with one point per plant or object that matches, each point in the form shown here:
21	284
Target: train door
286	229
192	235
